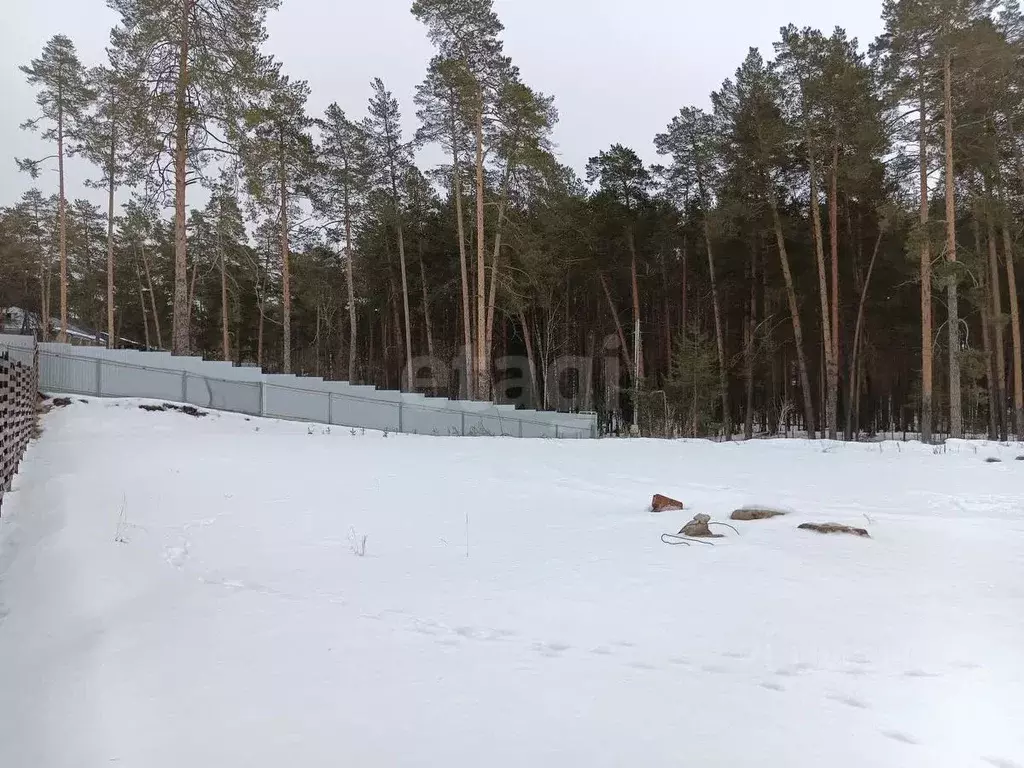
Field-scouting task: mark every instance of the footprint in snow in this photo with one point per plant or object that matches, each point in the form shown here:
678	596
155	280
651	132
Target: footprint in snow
601	651
1001	762
679	661
493	635
552	650
900	737
770	686
793	670
625	644
919	673
738	655
849	701
966	665
642	665
176	556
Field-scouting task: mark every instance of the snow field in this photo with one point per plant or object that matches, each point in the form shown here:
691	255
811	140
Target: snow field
237	625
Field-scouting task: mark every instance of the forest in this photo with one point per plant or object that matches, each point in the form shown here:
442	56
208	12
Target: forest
827	247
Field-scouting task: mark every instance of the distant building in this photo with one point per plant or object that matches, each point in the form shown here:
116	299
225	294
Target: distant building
25	322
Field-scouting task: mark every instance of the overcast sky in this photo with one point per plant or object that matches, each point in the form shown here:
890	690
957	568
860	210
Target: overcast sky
619	69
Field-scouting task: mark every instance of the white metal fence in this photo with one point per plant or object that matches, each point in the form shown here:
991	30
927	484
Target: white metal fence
221	386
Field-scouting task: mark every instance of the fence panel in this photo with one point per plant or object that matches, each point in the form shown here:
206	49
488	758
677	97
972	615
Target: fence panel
18	391
223	395
220	386
284	402
364	413
127	380
421	419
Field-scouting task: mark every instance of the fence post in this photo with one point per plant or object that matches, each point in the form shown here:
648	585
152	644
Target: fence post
184	386
263	397
399	413
330	407
556	431
463	417
99	377
520	427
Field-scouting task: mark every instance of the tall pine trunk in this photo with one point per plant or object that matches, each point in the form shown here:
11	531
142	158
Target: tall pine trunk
986	339
826	323
142	306
225	336
62	224
1015	332
467	325
44	277
111	336
855	352
181	309
956	423
794	312
635	285
618	325
748	350
493	289
996	319
479	369
152	298
428	327
353	325
833	228
926	273
405	304
684	289
286	284
529	358
723	372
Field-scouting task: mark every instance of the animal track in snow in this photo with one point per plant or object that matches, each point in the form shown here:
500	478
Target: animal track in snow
918	673
738	655
849	701
900	737
551	650
642	665
1001	762
176	556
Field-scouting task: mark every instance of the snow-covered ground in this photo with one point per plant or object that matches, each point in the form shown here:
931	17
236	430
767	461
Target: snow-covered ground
234	625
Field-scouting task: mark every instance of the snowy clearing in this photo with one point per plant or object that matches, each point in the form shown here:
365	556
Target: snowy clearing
189	591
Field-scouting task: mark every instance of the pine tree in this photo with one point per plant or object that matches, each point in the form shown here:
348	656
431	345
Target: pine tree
115	139
521	140
691	141
623	179
468	32
445	120
345	168
758	140
392	159
201	62
63	99
279	166
904	53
